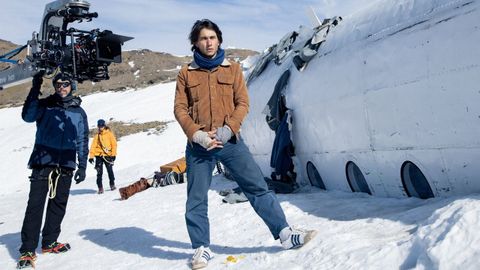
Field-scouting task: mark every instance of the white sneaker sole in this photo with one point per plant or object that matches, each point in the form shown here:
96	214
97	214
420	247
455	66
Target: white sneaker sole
309	236
199	265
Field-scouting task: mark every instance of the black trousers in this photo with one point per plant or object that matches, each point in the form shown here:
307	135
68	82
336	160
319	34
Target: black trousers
99	162
36	203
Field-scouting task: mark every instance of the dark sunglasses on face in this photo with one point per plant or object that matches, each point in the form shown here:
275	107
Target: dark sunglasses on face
62	84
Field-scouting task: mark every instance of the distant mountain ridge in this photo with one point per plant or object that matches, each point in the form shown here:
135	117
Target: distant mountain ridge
139	68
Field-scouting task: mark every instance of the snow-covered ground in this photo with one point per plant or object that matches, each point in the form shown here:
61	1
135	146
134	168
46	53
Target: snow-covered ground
147	231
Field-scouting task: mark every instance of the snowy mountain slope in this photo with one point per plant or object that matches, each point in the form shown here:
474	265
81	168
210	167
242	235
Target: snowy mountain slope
356	231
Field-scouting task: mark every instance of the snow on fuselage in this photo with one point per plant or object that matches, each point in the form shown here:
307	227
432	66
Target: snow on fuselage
392	98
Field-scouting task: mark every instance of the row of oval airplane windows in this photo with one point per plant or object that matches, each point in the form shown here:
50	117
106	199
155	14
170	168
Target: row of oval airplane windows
414	181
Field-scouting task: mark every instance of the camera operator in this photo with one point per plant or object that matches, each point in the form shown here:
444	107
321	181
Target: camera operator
61	136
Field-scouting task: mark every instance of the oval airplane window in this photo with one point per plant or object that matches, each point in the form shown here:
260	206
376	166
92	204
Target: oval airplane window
355	178
314	176
414	181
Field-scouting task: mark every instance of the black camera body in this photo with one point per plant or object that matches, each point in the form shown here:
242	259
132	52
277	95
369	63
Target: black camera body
84	55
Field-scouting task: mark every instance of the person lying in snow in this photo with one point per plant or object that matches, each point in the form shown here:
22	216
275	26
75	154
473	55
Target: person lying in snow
170	174
158	180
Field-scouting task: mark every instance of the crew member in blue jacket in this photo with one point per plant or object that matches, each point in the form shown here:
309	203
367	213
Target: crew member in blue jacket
61	138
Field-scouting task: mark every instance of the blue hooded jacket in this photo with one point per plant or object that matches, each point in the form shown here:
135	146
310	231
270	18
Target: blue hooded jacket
62	130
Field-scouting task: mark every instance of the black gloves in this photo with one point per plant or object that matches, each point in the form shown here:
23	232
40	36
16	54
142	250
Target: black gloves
38	79
36	85
90	160
79	175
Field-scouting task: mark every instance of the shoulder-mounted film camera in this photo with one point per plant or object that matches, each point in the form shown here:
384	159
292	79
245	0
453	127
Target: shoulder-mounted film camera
85	55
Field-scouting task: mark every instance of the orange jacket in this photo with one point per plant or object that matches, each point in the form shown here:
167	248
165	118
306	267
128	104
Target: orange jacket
104	144
207	99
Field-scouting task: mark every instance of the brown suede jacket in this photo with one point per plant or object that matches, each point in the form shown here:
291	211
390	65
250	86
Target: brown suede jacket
210	99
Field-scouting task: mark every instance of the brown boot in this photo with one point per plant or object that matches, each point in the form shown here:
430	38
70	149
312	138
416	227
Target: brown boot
100	190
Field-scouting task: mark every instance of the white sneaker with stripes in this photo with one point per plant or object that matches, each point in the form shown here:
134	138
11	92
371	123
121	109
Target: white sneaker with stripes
201	257
295	238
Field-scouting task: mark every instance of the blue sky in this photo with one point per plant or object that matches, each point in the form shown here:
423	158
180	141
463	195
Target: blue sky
163	25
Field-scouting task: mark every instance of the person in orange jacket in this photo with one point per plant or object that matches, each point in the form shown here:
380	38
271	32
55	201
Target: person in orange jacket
104	149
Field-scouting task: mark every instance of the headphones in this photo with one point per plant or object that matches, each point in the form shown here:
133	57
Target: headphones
73	85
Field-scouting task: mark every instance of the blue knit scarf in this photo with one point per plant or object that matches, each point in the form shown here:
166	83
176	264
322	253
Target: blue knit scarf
209	63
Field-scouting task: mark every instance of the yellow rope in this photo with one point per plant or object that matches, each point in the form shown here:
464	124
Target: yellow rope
54	73
51	187
106	161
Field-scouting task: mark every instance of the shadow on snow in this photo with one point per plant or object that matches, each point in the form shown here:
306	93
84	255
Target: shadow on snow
144	243
11	241
75	192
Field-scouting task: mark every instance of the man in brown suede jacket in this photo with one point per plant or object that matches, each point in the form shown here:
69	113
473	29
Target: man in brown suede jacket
206	106
211	101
